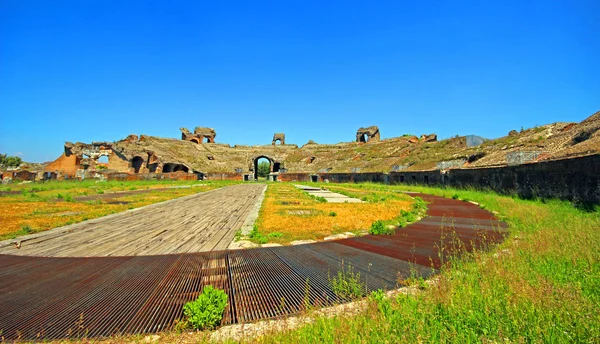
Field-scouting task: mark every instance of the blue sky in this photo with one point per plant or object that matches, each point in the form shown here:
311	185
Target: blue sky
100	70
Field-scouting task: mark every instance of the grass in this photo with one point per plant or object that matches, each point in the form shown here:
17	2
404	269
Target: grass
297	216
38	209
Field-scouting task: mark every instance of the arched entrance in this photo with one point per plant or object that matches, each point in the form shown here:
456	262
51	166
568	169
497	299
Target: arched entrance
269	166
137	163
263	166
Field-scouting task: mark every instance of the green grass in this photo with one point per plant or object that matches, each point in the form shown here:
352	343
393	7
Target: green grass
541	285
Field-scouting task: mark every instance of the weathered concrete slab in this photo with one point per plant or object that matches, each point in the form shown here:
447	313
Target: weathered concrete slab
331	197
201	222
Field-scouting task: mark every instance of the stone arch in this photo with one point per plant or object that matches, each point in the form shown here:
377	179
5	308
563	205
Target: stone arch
180	167
195	140
174	167
137	162
255	164
167	168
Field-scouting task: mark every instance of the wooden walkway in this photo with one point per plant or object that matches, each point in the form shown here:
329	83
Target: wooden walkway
201	222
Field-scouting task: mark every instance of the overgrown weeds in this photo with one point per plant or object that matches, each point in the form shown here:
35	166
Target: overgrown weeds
347	283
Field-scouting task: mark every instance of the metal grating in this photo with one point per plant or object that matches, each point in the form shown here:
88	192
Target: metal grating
52	298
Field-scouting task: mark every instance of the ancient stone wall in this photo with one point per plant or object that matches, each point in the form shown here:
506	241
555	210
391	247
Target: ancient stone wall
372	177
117	163
68	165
224	176
151	176
294	177
575	179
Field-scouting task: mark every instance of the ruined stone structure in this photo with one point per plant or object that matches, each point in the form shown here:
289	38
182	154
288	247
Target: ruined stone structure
429	138
370	134
279	137
148	156
199	135
81	160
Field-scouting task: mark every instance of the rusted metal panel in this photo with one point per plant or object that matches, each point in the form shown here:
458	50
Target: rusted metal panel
50	298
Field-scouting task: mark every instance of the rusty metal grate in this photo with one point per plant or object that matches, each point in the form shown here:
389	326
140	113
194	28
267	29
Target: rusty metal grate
51	298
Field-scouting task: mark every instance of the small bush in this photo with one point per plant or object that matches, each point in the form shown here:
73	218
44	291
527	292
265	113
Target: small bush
332	214
347	284
408	216
379	227
455	196
257	236
207	311
275	235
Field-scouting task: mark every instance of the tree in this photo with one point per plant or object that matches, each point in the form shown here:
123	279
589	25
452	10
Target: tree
264	168
11	161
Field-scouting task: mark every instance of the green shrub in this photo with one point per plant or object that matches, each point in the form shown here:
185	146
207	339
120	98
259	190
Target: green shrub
332	214
207	311
275	235
347	283
379	227
257	236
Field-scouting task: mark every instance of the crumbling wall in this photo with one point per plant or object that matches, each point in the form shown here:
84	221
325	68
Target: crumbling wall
67	165
117	162
199	134
371	133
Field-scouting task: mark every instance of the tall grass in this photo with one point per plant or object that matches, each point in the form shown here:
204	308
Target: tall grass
541	285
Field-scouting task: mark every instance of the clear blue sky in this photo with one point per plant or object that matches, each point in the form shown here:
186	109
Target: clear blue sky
87	70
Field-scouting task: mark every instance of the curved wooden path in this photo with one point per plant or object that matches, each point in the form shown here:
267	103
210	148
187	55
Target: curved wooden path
58	297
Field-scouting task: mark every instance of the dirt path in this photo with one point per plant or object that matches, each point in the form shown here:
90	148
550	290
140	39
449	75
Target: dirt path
201	222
